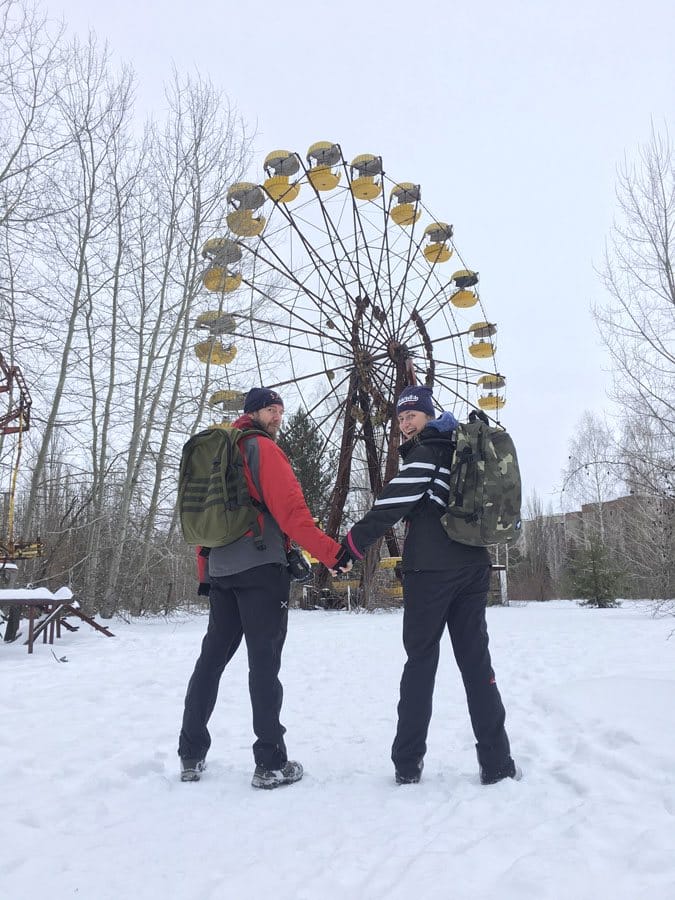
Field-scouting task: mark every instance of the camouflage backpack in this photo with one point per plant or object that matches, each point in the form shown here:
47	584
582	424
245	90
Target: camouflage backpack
485	489
214	504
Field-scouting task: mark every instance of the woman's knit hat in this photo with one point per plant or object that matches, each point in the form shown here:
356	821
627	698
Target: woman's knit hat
417	397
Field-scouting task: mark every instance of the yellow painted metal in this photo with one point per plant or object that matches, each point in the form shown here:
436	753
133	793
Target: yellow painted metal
22	550
323	178
216	322
230	400
437	253
482	329
491	382
340	587
396	591
223	251
405	214
365	188
280	190
249	196
463	299
219	279
367	164
215	353
492	401
244	223
482	349
389	562
406	192
465	278
281	162
438	232
324	153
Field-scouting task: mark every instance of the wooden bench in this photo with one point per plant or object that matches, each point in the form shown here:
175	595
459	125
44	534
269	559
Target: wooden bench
55	607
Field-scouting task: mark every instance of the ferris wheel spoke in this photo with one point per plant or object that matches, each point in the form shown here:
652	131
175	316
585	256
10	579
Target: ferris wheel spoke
359	230
317	268
319	263
453	387
313	328
333	394
471	370
297	331
333	231
308	376
330	434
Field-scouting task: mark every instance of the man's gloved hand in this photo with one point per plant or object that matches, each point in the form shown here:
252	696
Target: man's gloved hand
204	588
446	422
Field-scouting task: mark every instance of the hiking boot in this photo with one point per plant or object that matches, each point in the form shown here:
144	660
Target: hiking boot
411	777
272	778
191	769
510	770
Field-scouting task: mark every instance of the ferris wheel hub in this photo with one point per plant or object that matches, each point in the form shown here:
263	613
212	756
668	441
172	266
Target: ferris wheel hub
397	351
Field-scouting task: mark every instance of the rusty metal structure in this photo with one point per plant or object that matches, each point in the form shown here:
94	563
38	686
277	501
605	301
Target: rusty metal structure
15	420
335	282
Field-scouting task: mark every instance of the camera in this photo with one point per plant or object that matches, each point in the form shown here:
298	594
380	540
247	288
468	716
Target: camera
298	567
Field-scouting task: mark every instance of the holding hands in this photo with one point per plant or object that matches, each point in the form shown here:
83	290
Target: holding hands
345	559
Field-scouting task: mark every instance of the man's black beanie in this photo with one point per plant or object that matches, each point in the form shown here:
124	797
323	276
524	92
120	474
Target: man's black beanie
259	398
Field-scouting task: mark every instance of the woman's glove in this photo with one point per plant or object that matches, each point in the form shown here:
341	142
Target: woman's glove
345	556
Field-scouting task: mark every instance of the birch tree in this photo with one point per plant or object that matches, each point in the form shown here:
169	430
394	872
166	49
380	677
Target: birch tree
637	323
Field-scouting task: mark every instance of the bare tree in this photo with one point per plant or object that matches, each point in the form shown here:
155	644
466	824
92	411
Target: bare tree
190	160
94	106
592	472
530	576
637	324
32	57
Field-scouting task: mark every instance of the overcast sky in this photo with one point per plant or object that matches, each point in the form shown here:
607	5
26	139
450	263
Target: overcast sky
513	117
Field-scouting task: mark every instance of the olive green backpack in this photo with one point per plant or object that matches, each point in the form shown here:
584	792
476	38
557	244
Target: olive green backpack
485	487
214	504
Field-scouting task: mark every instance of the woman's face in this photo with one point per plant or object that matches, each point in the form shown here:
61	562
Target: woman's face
412	421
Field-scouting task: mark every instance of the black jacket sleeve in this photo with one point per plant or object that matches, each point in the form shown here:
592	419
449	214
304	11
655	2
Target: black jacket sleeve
421	476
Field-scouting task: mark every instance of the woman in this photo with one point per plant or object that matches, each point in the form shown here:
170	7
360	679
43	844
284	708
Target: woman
445	584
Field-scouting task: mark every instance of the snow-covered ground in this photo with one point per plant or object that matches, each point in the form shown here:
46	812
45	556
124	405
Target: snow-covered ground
91	806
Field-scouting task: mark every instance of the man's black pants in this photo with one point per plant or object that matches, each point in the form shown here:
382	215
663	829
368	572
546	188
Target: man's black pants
456	599
252	604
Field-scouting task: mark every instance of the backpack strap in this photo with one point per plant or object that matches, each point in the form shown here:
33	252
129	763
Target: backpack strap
438	441
466	456
256	528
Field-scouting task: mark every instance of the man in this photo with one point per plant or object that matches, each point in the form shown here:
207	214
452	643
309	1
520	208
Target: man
445	584
249	591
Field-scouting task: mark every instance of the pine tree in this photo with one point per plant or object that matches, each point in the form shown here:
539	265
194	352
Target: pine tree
313	465
594	576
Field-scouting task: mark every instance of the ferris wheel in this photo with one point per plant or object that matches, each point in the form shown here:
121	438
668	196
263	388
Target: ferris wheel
342	288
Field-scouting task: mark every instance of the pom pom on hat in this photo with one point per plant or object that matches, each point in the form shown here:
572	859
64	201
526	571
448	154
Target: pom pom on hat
418	397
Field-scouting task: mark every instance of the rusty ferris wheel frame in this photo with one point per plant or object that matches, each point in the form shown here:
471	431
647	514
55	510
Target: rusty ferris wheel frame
360	295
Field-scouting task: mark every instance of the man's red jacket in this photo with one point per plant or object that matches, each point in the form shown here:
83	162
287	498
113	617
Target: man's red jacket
283	498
